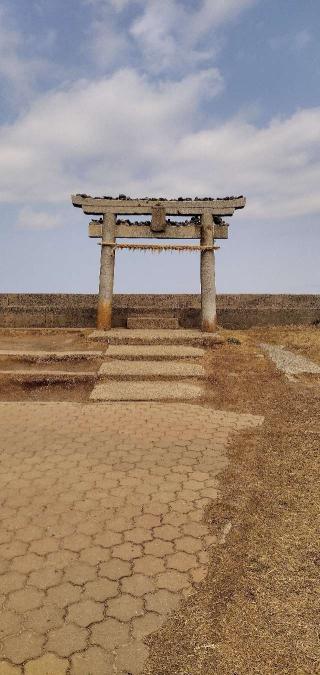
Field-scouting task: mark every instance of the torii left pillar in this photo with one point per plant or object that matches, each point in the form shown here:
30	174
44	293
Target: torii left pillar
104	317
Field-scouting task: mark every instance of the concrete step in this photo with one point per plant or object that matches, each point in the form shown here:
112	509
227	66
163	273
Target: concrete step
153	352
142	310
45	356
46	376
148	370
145	391
150	322
123	336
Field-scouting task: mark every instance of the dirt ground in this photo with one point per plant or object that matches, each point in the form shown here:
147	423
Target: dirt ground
49	339
258	610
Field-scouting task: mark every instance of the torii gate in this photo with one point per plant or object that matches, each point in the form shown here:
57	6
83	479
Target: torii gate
206	224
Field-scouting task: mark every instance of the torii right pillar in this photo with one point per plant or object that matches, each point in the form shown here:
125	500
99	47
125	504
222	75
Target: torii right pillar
207	275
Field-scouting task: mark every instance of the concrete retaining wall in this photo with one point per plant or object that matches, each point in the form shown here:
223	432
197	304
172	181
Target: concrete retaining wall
19	310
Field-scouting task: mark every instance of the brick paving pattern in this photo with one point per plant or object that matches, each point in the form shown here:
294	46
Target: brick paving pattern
102	532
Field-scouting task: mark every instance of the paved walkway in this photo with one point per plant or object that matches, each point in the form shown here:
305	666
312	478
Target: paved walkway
102	533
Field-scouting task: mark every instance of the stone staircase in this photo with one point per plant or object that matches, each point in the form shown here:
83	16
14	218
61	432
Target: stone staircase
149	371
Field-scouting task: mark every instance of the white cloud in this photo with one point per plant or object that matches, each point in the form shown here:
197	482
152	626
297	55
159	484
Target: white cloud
108	45
213	13
30	219
97	132
172	36
166	36
127	134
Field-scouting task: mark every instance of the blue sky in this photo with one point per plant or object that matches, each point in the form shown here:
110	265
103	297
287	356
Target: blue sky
150	97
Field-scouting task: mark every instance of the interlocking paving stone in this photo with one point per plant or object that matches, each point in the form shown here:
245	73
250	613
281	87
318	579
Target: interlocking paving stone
131	658
145	391
11	581
110	633
26	598
45	578
10	623
101	540
101	590
137	585
182	561
115	569
7	669
149	369
25	645
95	661
64	594
162	602
66	640
125	607
49	664
85	612
147	624
156	352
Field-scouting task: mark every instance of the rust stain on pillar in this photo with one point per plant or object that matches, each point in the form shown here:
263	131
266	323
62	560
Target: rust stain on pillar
104	315
209	326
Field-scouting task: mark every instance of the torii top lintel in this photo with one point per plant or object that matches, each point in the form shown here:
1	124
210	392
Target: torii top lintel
144	206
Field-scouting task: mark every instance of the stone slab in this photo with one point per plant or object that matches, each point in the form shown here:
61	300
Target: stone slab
145	391
150	369
152	322
123	336
154	352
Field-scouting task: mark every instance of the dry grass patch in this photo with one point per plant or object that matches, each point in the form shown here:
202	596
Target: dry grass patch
257	612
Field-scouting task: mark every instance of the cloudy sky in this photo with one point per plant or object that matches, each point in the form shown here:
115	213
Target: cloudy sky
160	97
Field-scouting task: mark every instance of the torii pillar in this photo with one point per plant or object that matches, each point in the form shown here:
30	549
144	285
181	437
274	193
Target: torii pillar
104	316
207	275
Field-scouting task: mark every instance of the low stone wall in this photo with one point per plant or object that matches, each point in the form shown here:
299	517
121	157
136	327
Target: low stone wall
31	310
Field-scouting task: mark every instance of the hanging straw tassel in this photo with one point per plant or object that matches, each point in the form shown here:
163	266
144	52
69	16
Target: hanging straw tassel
158	248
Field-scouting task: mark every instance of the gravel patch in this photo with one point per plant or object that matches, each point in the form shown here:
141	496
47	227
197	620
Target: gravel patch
289	363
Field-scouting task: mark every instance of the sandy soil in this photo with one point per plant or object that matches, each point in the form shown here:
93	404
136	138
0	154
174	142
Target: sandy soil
49	339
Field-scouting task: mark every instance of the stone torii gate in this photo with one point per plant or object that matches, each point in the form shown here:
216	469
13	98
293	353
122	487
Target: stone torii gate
206	224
